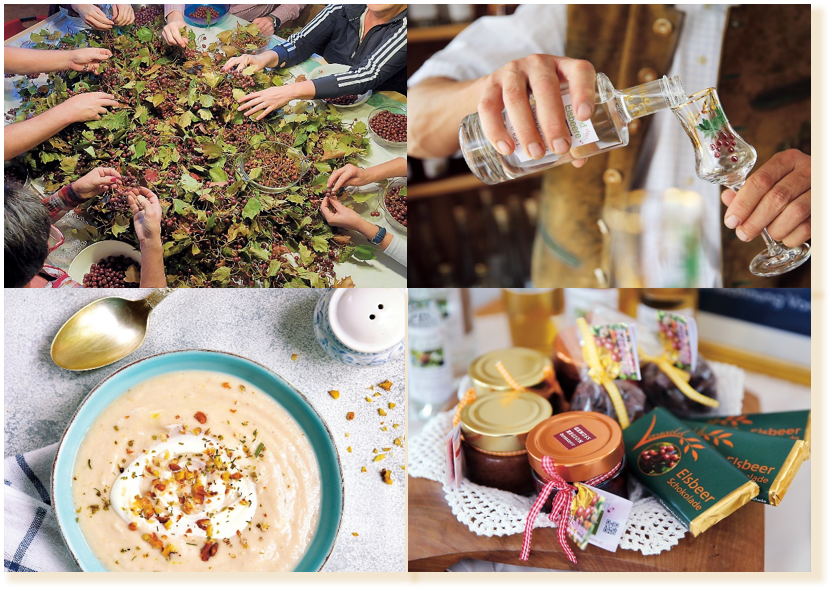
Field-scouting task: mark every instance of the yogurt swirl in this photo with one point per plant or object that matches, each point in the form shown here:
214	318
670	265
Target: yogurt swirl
188	486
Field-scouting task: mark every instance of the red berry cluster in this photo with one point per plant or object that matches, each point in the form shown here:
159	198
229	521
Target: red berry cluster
242	38
240	80
110	272
203	12
390	126
725	142
658	460
279	170
397	205
347	99
148	14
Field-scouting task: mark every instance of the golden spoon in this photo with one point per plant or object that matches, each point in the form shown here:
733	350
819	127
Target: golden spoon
104	331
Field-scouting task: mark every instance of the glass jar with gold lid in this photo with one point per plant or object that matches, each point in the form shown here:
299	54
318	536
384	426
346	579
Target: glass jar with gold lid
585	447
494	430
529	368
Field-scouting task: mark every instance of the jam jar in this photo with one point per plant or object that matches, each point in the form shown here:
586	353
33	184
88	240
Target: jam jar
527	366
582	445
494	429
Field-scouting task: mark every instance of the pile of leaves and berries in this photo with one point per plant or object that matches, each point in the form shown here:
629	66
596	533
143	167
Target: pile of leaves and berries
178	132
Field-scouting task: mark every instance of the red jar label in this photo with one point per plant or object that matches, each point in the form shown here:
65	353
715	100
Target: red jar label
574	436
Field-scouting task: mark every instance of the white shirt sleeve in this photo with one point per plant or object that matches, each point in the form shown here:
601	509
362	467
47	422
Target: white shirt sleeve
490	42
397	250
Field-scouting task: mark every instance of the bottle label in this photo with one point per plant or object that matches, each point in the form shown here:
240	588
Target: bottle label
430	375
582	133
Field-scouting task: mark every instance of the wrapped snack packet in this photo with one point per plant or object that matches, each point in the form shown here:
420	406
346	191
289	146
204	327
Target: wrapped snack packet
771	462
688	476
611	357
796	424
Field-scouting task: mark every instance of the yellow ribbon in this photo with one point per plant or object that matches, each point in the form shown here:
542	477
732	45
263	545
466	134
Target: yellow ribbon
599	374
679	377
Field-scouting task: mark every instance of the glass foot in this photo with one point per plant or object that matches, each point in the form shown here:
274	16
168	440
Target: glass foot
767	265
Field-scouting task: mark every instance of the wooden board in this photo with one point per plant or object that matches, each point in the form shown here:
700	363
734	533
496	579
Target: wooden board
437	540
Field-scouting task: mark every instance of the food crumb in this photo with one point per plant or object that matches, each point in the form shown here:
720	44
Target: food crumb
363	468
368	399
386	385
386	476
397	441
355	534
349	449
391	405
379	457
350	416
382	412
294	356
335	394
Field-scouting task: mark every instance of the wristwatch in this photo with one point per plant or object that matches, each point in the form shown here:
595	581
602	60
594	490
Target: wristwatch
382	232
275	22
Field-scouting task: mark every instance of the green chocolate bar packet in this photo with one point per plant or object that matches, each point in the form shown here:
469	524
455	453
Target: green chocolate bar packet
771	462
688	476
796	424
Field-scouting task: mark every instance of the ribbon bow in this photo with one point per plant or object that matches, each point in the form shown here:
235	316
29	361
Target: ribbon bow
599	374
559	514
679	377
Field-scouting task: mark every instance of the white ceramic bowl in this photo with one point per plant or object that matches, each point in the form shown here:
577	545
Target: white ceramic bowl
329	70
100	250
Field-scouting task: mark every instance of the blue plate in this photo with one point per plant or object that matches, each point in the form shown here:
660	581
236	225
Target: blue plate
332	493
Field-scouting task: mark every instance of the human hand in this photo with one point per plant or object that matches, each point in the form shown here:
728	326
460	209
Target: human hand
265	25
87	106
97	181
778	196
147	214
541	75
172	32
242	62
348	176
87	59
343	216
93	16
123	15
267	100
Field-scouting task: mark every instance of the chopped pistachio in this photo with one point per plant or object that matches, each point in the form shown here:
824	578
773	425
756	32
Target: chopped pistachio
335	394
379	457
397	441
294	356
382	412
391	405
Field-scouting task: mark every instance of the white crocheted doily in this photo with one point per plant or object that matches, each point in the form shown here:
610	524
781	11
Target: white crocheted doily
487	511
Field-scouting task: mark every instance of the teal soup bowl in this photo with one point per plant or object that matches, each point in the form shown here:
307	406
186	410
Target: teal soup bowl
293	402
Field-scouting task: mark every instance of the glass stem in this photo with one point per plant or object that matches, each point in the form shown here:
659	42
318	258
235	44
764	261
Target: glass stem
773	246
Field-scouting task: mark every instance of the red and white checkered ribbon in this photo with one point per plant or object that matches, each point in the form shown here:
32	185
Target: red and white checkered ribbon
560	506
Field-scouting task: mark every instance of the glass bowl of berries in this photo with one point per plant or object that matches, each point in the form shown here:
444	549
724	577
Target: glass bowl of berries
394	204
109	263
273	167
205	15
349	101
388	126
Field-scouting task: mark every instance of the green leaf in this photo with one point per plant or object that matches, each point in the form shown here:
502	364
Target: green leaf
260	253
364	252
139	149
212	79
359	128
323	166
144	34
306	256
186	119
89	150
205	114
206	100
211	150
221	275
362	197
218	175
180	206
141	114
252	208
189	183
249	71
255	173
69	164
274	268
157	99
346	254
320	244
238	93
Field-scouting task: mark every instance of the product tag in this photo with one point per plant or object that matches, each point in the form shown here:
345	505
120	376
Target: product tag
585	514
679	338
613	521
617	350
582	132
453	458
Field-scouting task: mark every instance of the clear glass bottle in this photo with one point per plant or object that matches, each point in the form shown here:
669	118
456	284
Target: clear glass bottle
430	374
606	129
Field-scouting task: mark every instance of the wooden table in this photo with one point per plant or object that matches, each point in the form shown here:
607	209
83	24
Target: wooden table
437	540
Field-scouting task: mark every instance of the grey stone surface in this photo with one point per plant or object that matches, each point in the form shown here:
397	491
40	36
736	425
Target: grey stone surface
263	325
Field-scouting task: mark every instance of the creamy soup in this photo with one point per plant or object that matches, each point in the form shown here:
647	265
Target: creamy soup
196	471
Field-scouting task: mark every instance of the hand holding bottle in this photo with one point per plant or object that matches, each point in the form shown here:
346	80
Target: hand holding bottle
777	196
540	75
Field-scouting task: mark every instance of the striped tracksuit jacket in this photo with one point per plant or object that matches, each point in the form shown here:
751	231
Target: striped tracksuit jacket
378	62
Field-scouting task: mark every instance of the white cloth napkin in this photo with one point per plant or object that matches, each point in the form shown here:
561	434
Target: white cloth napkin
32	541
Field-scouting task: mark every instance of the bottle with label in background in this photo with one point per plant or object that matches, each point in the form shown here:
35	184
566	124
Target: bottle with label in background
532	317
682	301
454	305
606	129
430	376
